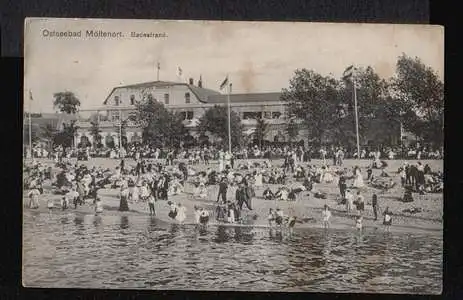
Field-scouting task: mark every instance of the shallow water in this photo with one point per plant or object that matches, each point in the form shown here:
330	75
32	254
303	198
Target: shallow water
137	252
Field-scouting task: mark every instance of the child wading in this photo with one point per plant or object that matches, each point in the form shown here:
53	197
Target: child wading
50	205
387	219
151	201
98	206
326	214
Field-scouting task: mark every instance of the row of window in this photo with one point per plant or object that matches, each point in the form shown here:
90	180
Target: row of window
259	115
118	101
189	115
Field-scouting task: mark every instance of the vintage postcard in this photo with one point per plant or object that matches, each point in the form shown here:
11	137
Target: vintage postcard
236	156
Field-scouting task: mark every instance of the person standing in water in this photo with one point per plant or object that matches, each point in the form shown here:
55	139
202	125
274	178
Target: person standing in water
151	201
98	206
387	222
374	203
326	214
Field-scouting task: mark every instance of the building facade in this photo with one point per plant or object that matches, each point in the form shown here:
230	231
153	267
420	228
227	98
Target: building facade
190	100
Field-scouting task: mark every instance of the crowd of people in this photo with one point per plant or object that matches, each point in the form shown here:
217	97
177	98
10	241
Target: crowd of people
174	172
205	153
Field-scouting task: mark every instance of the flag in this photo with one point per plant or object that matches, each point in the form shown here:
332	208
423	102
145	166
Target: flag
179	72
30	96
159	66
347	75
224	83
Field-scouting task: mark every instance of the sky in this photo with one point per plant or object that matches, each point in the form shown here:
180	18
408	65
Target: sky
257	56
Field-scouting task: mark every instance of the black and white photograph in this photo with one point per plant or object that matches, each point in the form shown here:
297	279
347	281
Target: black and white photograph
233	156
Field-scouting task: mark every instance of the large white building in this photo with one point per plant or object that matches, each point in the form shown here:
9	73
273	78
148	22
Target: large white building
189	99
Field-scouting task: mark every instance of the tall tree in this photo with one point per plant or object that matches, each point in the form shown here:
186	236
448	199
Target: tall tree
375	110
215	122
160	127
66	102
421	93
261	131
292	130
312	98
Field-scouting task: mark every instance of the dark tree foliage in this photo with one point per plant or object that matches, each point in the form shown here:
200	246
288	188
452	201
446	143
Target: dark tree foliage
261	130
160	126
215	122
66	102
421	94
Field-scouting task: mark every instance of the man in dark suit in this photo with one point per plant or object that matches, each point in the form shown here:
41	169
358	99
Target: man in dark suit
223	187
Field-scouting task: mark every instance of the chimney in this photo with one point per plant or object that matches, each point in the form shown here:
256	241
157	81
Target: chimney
200	82
191	81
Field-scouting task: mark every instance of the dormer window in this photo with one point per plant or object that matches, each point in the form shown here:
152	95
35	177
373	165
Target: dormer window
187	97
116	100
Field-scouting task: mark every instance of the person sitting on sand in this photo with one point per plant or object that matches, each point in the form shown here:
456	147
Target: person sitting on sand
201	191
282	194
387	222
268	194
326	215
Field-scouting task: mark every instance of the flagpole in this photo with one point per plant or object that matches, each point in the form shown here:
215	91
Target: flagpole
120	130
356	116
158	67
30	126
229	119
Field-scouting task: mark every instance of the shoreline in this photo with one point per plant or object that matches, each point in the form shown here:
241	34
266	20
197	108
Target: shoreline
339	220
307	208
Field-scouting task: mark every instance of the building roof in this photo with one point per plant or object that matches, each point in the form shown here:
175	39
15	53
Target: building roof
243	98
200	93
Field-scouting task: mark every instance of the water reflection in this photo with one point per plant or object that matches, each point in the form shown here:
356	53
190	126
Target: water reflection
221	235
79	225
275	235
97	220
124	222
158	256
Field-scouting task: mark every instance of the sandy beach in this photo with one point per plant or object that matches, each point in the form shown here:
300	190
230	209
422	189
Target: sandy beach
307	208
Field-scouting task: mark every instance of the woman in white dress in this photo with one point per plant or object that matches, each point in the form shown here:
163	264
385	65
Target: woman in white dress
258	179
358	180
221	161
227	158
181	213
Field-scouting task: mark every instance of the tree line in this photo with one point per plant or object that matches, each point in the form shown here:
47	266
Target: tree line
320	105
